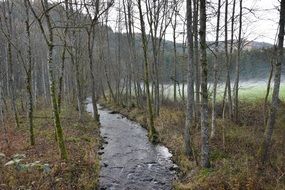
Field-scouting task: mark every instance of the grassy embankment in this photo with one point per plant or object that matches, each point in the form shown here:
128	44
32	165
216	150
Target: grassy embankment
234	164
41	167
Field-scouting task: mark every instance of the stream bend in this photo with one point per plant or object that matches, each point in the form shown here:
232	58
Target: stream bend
128	159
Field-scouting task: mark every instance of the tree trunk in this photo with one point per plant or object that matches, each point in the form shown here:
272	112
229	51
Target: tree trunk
174	54
236	86
49	39
196	60
61	77
29	81
265	112
5	134
213	124
265	149
93	83
205	154
11	80
228	79
152	132
190	83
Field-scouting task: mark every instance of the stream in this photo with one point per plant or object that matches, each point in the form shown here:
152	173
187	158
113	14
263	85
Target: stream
128	159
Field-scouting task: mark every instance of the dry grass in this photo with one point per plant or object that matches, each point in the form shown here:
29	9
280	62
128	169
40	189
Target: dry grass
81	171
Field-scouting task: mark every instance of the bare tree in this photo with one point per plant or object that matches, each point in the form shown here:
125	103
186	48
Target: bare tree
265	148
152	132
7	11
196	60
174	25
49	40
157	13
213	124
5	134
29	70
190	82
93	17
66	21
236	86
205	152
227	92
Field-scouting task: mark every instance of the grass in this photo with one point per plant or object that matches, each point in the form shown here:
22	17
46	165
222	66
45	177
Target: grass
80	171
248	91
234	166
258	92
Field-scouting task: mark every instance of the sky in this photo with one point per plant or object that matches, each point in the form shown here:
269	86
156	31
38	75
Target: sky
265	25
260	25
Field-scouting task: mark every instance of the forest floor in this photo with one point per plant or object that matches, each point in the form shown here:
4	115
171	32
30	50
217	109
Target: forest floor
39	166
234	160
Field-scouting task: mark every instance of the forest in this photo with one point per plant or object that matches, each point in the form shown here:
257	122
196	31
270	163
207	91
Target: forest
142	94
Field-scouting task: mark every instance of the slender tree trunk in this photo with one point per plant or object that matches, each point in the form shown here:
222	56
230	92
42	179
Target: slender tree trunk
11	79
49	38
109	61
44	81
5	133
205	153
196	60
236	86
59	131
265	112
152	132
76	64
265	148
230	95
174	54
190	83
93	83
213	124
34	84
228	78
29	81
61	77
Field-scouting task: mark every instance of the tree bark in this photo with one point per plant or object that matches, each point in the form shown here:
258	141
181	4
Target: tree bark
29	81
265	149
205	152
213	124
228	79
196	60
10	68
49	39
61	77
152	132
236	86
190	83
5	134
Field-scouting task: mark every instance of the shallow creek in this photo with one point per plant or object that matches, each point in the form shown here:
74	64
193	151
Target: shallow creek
128	159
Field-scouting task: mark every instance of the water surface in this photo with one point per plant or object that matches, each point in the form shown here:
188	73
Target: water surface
129	160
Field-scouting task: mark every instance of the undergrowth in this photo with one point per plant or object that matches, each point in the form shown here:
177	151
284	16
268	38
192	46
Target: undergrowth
80	171
234	161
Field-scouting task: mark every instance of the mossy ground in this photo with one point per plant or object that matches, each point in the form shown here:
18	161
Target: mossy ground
234	163
80	171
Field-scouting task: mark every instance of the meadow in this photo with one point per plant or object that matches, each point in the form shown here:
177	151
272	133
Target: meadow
253	90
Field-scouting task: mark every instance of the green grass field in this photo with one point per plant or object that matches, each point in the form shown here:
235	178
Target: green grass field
248	91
